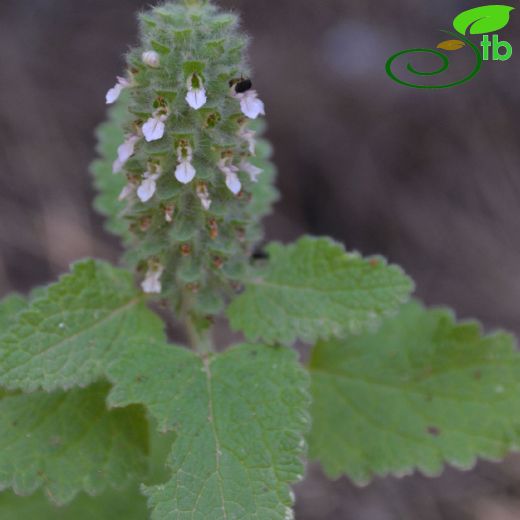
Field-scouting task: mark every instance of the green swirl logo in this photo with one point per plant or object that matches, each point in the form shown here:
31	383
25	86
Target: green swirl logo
478	21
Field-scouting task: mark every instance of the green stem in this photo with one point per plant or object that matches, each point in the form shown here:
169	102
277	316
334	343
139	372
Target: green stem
200	338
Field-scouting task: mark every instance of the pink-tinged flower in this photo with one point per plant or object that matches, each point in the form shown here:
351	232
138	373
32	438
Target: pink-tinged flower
113	94
126	191
124	152
230	172
252	170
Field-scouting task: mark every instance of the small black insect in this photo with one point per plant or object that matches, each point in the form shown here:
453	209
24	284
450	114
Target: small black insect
241	85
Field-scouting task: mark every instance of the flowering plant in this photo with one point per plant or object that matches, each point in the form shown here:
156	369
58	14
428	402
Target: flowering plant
100	412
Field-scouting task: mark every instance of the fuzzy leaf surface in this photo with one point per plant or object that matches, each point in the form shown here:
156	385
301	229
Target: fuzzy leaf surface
10	306
66	442
314	289
421	392
68	334
239	418
112	505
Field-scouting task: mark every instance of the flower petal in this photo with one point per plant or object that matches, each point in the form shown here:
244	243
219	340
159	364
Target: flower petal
203	195
151	284
117	166
152	280
252	170
185	172
196	97
146	189
113	94
127	149
251	105
153	129
249	137
206	203
233	183
126	192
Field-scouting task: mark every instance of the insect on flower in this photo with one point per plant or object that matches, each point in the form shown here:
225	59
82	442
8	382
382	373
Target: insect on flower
250	104
241	85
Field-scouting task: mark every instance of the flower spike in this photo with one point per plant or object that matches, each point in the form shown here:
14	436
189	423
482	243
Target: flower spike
182	116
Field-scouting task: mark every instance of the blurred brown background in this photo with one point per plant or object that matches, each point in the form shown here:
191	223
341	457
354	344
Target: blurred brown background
427	178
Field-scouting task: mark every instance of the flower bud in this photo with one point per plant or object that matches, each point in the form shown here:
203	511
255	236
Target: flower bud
151	58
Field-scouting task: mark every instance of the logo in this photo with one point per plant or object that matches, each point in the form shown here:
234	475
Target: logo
478	21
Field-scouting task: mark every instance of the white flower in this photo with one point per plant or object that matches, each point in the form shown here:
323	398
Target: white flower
124	152
196	96
230	171
117	166
152	280
151	58
248	136
233	183
185	172
252	106
153	129
148	186
115	91
126	191
252	170
203	195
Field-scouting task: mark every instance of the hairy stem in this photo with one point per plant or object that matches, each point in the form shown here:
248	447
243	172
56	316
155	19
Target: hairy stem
200	337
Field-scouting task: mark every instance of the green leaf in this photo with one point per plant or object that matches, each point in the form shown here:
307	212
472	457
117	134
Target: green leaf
68	334
313	289
483	20
239	420
68	441
110	135
113	504
421	392
127	505
10	306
